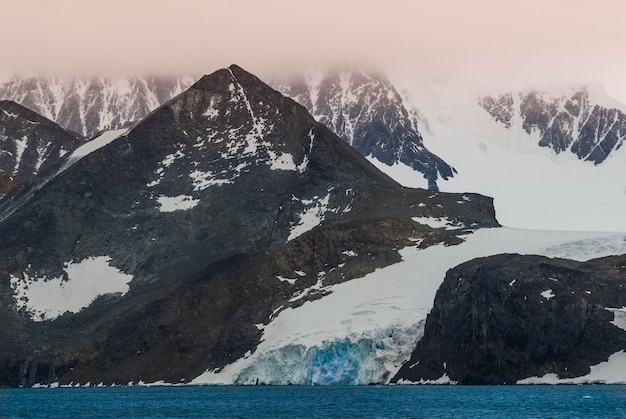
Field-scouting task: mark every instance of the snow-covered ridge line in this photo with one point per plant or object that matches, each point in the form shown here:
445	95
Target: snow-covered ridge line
95	144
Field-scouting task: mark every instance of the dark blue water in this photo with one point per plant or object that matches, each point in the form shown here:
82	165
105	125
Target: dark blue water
318	402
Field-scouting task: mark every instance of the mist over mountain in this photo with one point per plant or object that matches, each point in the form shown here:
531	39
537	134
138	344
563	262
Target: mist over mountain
90	105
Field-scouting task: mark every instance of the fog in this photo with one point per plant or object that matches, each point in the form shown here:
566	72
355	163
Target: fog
505	42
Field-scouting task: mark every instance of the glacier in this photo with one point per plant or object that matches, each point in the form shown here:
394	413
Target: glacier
366	328
533	187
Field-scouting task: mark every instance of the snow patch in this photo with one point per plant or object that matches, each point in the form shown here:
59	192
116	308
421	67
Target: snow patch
282	162
20	147
547	294
48	298
443	380
619	317
291	281
164	164
441	222
176	203
202	180
312	216
10	114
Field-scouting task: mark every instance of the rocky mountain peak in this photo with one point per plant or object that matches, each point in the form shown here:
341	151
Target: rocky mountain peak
199	217
367	112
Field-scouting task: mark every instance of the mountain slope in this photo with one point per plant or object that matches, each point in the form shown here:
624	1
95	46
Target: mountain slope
91	105
367	112
30	145
221	208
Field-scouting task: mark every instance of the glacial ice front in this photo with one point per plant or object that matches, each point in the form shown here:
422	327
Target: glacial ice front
344	361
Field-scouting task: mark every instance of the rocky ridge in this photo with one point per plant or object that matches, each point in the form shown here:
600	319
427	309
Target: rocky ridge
501	319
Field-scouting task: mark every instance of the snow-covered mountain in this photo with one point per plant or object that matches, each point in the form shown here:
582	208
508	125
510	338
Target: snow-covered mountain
550	157
90	105
179	239
30	146
228	237
365	110
582	120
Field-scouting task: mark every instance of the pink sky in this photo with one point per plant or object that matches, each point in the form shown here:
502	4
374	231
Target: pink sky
507	42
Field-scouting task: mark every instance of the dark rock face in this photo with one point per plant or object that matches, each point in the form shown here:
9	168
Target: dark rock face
90	105
503	318
367	112
30	145
574	122
206	202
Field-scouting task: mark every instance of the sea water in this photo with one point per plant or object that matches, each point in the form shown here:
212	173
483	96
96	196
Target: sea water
582	401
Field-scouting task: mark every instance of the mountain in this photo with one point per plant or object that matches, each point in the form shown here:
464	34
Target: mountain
30	146
551	159
161	251
578	119
506	318
91	105
367	112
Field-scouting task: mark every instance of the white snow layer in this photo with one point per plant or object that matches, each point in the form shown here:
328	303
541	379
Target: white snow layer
533	187
367	328
48	298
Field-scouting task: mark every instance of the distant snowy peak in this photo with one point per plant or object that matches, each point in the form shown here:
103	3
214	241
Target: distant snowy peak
367	112
29	145
91	105
582	120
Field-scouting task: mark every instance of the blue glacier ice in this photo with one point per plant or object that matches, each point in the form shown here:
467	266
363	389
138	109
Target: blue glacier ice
353	360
